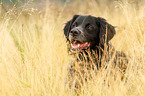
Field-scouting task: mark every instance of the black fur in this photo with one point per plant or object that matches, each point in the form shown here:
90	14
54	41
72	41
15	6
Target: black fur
88	40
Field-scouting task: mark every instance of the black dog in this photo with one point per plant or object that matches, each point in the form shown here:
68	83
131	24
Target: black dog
88	40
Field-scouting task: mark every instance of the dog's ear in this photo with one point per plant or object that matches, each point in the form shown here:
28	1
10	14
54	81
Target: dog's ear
67	27
106	31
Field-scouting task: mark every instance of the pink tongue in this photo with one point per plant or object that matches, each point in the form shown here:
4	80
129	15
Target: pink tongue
75	45
81	46
84	46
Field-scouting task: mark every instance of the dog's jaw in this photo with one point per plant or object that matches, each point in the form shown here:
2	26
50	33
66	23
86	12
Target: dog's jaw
78	45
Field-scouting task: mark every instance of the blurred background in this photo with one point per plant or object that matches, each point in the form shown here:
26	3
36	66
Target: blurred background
33	50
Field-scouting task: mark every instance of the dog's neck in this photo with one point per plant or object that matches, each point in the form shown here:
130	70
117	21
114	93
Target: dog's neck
92	55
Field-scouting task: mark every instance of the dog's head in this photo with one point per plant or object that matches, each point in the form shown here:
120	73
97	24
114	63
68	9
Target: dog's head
85	31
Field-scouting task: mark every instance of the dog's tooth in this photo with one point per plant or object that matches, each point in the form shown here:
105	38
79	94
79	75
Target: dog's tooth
78	45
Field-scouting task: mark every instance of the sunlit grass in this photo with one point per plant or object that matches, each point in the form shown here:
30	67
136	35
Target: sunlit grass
33	52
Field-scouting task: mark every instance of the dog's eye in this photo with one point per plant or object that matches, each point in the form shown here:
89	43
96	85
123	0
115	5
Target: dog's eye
89	27
75	25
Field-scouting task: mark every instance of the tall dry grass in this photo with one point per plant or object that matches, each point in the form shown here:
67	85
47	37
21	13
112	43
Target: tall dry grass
33	53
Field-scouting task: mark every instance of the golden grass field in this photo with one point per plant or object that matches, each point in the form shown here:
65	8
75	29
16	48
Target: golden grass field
33	52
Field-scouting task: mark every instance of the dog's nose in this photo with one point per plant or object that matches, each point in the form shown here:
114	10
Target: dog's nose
74	32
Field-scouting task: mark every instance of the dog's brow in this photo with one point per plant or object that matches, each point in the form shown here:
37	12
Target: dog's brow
86	17
81	19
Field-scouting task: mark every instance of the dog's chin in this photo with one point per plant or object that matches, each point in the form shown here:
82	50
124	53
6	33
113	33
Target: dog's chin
77	46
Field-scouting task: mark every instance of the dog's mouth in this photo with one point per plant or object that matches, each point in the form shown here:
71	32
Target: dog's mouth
75	44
